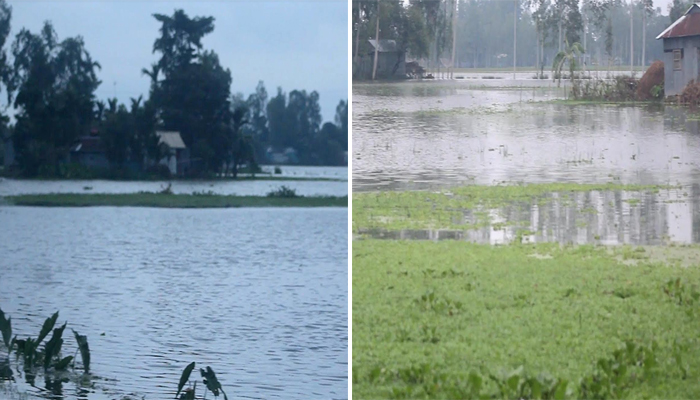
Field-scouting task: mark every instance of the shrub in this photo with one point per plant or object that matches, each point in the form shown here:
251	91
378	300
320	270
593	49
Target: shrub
691	93
283	192
621	88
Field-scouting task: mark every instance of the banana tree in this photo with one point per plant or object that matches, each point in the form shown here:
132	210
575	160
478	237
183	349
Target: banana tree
570	55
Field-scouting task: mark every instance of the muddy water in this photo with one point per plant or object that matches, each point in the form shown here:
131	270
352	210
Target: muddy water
258	295
433	135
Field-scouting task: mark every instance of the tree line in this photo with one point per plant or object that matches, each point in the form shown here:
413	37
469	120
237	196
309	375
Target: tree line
51	84
484	30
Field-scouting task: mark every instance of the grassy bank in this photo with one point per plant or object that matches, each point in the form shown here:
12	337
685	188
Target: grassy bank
456	320
171	200
463	207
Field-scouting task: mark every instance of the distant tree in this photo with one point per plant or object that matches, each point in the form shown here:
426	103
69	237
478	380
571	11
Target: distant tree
193	97
341	121
242	148
5	68
257	115
276	120
677	8
55	84
117	134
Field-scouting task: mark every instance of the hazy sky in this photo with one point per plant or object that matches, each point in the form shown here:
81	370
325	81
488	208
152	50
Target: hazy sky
294	44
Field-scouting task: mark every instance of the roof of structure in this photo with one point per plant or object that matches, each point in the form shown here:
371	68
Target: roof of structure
385	46
687	25
171	139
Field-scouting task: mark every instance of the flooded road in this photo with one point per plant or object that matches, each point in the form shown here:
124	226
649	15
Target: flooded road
442	134
258	295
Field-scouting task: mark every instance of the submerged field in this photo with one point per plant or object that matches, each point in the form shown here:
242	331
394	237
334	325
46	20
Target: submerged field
435	320
450	319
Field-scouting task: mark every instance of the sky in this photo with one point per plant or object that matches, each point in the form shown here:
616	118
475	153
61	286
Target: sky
293	44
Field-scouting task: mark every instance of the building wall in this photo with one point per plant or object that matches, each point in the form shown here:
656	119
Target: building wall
676	81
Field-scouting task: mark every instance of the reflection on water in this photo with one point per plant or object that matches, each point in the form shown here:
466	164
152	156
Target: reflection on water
601	217
414	136
259	295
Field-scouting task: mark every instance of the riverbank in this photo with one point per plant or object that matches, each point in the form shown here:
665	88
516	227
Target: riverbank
170	200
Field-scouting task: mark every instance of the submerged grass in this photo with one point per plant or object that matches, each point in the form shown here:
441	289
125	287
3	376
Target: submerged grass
435	320
172	200
462	207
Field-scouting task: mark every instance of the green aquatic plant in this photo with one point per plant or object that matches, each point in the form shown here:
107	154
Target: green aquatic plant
84	350
184	378
566	310
6	330
209	379
212	383
33	358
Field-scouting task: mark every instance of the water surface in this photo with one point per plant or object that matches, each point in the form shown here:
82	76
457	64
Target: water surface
260	295
432	135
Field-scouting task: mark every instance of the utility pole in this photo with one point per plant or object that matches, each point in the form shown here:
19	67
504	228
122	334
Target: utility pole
515	35
631	37
644	34
454	37
376	47
584	43
357	37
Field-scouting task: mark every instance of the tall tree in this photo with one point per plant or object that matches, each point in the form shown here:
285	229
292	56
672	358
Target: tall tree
55	84
193	96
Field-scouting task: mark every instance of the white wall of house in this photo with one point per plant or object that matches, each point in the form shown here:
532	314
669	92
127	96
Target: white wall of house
677	79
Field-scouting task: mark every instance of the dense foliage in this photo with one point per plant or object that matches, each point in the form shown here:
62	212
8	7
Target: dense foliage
484	37
51	83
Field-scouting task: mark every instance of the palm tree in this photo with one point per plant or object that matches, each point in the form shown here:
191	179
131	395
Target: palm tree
570	55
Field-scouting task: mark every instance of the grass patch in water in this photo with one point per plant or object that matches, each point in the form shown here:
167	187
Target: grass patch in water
462	207
431	320
573	102
172	200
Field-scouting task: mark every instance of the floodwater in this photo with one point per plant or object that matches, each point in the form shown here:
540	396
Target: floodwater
431	135
331	181
258	295
600	217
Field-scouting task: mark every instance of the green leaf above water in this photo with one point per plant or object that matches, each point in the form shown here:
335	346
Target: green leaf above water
53	346
213	384
84	350
184	378
48	325
6	329
63	364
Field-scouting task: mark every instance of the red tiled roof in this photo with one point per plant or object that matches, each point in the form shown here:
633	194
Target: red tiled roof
687	25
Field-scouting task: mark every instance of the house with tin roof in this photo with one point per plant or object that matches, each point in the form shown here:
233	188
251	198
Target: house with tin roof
681	51
176	155
391	61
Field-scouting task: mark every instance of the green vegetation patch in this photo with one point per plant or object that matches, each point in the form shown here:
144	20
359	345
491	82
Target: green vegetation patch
453	320
172	200
462	207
